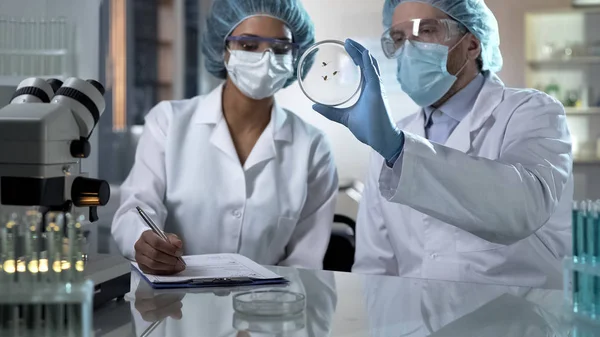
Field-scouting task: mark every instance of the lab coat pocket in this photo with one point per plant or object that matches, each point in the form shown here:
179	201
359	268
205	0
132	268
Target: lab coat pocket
467	242
283	234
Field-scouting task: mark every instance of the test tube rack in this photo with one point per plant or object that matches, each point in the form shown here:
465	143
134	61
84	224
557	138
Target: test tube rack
35	46
42	288
581	271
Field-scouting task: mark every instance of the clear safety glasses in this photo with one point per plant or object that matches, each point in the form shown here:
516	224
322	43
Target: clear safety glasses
262	44
438	31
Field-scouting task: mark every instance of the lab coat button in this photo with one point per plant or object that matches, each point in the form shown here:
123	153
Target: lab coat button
434	256
237	214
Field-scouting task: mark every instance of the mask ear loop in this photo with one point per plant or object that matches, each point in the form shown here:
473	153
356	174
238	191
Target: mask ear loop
466	61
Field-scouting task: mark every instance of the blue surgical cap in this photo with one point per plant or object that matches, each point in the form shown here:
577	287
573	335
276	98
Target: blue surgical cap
474	15
226	15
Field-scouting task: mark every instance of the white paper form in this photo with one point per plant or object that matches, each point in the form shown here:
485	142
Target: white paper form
211	266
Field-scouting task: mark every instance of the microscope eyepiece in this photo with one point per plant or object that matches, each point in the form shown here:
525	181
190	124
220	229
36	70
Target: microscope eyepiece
82	99
55	84
86	101
97	85
33	90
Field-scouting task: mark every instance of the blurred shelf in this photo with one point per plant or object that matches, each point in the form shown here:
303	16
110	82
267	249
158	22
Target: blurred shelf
582	111
566	10
586	161
559	62
13	81
34	52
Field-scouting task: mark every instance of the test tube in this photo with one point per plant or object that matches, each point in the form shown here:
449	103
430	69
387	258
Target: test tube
3	274
3	253
62	40
10	264
23	57
591	235
54	46
79	264
11	46
50	245
3	47
70	258
58	268
50	309
35	222
43	41
581	255
72	238
33	41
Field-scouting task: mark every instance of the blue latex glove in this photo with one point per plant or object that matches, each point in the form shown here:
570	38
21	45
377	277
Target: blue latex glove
369	119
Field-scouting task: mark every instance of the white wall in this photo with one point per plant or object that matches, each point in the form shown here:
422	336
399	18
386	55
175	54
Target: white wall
359	20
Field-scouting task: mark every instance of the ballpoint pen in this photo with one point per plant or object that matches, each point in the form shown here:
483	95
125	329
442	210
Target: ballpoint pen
155	228
151	328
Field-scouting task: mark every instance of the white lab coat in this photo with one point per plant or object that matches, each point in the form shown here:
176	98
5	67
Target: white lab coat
277	209
491	205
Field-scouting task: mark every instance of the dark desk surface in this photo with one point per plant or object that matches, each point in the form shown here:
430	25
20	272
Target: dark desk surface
341	304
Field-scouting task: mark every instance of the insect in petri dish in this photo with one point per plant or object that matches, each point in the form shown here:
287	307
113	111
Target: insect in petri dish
341	81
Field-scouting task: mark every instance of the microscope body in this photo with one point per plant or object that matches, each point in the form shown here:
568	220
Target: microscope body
44	135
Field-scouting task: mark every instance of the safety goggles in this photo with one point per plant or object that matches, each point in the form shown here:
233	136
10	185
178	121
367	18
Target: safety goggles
262	44
439	31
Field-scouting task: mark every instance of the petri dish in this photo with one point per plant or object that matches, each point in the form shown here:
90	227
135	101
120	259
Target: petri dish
334	78
269	324
269	303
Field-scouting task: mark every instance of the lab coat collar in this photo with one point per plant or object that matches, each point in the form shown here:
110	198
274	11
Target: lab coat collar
210	111
459	105
489	98
417	124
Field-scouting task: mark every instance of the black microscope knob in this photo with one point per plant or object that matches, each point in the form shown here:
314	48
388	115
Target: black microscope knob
80	148
87	192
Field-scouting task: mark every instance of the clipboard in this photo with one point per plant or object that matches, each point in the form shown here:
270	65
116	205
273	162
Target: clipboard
266	277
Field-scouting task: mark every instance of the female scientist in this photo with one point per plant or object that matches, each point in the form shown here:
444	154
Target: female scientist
233	172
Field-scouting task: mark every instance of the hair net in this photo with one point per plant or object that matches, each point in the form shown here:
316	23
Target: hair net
226	15
473	14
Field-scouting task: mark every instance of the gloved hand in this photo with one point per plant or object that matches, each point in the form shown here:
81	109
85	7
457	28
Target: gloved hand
369	119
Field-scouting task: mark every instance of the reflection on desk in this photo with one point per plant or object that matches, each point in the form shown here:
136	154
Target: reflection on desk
438	308
349	305
204	312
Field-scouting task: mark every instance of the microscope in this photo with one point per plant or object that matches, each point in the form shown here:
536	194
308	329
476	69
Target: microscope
45	202
44	133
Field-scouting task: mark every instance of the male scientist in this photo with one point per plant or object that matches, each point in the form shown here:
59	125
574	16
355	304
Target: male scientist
477	186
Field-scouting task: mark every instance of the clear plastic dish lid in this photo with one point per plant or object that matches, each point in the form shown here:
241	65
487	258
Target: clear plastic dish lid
269	303
334	78
272	325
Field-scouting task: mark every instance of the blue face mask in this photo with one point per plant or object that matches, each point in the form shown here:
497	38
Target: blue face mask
423	72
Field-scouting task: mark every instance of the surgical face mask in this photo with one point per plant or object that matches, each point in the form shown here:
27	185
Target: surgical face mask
423	72
259	75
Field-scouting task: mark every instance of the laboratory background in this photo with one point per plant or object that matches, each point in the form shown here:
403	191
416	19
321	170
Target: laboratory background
147	51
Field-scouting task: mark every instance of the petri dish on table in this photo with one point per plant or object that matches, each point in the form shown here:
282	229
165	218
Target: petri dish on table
269	303
334	78
269	324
